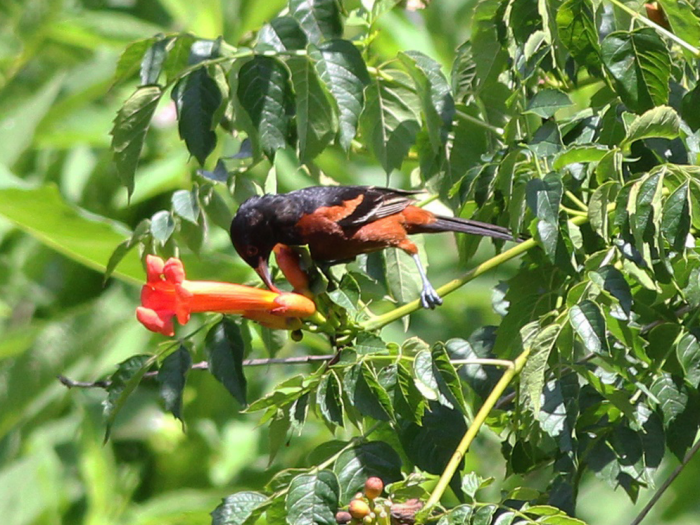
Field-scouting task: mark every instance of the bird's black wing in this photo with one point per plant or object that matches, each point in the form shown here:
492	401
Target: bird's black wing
378	203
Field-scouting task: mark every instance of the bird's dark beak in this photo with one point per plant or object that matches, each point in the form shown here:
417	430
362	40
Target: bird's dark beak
263	271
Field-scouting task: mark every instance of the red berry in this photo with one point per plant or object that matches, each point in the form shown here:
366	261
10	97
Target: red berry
342	517
373	487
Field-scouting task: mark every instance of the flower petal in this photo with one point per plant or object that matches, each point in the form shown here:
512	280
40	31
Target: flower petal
154	268
155	321
174	271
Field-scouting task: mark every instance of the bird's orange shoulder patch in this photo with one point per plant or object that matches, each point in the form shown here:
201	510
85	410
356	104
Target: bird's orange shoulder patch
338	213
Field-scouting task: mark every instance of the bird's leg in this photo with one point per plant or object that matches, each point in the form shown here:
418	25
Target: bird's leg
429	298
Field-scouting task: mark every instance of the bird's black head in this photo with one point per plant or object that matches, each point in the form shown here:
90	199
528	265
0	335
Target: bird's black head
253	236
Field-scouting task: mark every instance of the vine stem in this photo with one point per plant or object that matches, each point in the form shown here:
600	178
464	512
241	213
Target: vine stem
660	491
389	317
694	50
474	428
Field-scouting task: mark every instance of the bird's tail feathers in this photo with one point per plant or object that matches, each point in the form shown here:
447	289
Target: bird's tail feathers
454	224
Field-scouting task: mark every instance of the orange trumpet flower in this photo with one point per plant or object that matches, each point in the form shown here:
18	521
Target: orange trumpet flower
168	294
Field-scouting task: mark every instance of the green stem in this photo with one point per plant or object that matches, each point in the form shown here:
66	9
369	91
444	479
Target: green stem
389	317
493	129
578	202
694	50
570	211
474	428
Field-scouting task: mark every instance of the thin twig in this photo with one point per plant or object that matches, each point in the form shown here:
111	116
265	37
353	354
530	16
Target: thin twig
694	50
657	495
203	365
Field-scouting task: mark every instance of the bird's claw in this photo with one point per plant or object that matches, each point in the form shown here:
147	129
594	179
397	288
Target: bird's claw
429	298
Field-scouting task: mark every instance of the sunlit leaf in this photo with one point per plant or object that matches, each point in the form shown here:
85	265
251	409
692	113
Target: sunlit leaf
264	93
589	324
313	499
341	67
320	19
640	67
390	120
577	30
316	121
129	131
238	508
356	464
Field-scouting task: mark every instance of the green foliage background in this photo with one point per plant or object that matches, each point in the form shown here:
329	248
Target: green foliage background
63	210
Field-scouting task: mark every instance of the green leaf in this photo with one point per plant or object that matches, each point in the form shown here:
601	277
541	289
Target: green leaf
402	277
544	197
480	378
368	397
660	122
646	213
320	19
313	499
689	107
577	30
178	56
602	197
640	66
547	140
532	377
672	397
577	154
612	281
172	376
448	374
342	68
489	55
71	231
408	401
225	350
589	323
434	92
688	353
390	120
470	142
683	21
129	131
162	226
240	508
347	295
362	461
197	98
282	34
153	60
316	121
675	218
547	102
264	93
463	71
122	383
130	60
429	381
329	400
186	204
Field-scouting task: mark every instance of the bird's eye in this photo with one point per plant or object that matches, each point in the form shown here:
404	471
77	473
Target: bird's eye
252	251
